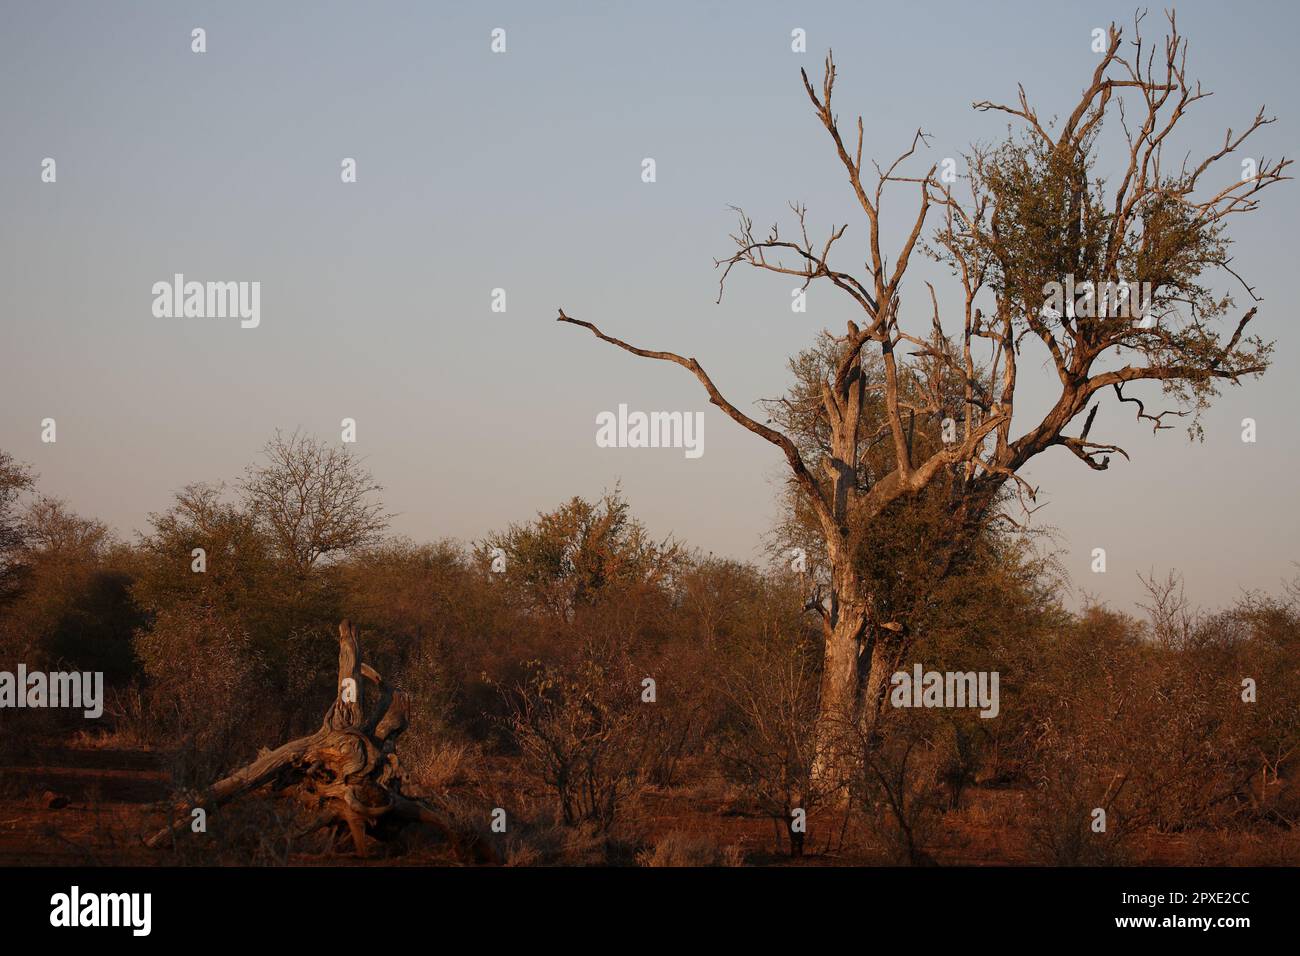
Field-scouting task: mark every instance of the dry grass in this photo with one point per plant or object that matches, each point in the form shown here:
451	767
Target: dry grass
684	849
436	765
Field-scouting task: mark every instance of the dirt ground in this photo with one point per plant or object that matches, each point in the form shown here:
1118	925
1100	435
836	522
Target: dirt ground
78	803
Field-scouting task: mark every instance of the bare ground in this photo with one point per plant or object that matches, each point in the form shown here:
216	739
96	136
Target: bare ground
79	803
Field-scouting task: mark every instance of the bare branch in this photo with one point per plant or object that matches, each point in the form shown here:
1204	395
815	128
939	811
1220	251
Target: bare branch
801	472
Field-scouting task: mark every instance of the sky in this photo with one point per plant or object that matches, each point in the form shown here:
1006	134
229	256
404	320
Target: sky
522	171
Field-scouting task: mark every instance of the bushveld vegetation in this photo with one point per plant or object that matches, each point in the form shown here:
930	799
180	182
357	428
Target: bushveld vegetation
525	658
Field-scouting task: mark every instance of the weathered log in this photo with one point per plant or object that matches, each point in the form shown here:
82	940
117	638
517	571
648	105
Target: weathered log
345	773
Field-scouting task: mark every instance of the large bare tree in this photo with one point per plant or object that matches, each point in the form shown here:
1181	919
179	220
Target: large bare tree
1030	214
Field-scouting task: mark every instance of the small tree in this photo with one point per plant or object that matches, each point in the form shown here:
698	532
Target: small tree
15	478
769	685
568	558
238	565
314	500
581	727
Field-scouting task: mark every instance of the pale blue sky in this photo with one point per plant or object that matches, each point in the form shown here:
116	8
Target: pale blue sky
522	171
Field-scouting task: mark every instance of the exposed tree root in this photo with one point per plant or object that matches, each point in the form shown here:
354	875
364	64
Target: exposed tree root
345	773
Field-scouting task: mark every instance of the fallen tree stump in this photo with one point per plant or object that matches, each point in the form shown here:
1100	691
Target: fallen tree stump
345	773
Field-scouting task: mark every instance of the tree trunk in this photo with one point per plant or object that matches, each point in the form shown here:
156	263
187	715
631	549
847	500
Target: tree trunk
840	705
346	773
859	657
881	654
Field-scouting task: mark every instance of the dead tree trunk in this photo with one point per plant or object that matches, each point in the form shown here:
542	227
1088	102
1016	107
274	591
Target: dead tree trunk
345	773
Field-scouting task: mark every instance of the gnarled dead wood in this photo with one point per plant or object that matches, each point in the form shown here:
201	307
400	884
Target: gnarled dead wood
345	773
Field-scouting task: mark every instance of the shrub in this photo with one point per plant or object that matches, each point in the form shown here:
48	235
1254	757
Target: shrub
684	849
